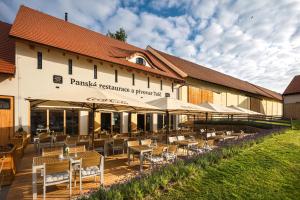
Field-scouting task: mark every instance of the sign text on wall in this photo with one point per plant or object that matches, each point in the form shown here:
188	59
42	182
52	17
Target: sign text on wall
115	88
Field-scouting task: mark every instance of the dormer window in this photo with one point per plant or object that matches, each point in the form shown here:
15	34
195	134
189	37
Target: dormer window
140	61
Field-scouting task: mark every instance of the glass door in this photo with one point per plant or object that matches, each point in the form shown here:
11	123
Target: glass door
56	120
72	122
38	121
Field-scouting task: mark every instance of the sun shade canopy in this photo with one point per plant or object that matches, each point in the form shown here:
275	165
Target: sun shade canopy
220	109
89	98
246	111
177	106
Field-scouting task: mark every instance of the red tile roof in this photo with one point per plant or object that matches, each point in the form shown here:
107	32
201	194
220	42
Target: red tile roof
293	87
44	29
203	73
7	50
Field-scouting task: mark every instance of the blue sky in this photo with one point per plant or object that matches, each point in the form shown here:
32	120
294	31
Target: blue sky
254	40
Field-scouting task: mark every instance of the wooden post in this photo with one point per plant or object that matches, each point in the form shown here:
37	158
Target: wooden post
93	125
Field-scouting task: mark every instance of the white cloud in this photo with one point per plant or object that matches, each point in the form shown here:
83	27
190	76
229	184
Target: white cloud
254	40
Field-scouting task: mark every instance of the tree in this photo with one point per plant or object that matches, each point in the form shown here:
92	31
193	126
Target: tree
119	35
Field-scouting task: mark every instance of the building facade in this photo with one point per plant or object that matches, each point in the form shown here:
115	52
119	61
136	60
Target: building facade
41	53
291	99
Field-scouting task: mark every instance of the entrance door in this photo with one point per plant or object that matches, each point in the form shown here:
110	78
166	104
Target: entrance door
148	122
38	119
56	120
141	122
106	121
6	118
72	122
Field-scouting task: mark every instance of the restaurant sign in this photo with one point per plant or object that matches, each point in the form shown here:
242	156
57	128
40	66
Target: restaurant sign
115	88
112	101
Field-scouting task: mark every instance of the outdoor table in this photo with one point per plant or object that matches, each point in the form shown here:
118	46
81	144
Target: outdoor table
141	149
38	164
186	144
224	137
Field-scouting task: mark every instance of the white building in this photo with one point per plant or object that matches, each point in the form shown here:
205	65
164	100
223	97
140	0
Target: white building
52	54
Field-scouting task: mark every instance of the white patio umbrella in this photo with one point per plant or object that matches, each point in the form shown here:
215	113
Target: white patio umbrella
89	98
246	111
216	108
171	105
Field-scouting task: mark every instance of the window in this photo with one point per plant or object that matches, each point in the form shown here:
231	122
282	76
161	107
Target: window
95	71
116	76
133	79
161	85
39	60
172	87
148	82
70	67
4	104
140	61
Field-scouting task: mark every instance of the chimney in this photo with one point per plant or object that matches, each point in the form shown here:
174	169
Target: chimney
66	16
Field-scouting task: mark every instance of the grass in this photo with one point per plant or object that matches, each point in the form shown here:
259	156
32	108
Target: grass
268	170
279	123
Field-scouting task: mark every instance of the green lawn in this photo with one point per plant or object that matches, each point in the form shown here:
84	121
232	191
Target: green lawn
268	170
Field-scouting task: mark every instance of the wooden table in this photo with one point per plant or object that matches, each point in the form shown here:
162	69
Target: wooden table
186	144
38	164
224	137
141	149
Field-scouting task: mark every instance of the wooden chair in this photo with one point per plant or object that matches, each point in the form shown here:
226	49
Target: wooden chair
132	144
91	166
84	137
19	144
52	151
180	138
57	173
172	139
44	141
71	141
119	145
99	146
156	156
60	140
9	165
171	154
77	149
146	142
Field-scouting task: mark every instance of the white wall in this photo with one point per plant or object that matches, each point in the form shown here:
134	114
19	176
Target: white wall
292	98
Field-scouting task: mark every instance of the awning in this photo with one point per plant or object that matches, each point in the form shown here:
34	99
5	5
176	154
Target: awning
216	108
177	106
89	98
246	111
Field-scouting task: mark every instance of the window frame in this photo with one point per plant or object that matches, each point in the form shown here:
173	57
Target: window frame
39	60
70	66
95	72
116	75
137	59
133	79
5	100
